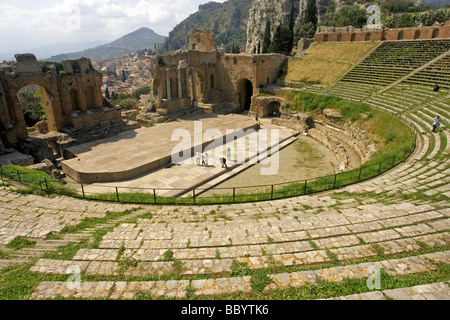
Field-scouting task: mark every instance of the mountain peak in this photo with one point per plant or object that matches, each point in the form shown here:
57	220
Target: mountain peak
143	38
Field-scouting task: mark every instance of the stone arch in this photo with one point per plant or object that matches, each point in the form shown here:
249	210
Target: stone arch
75	100
339	37
273	109
33	96
245	92
213	81
417	34
435	33
55	147
200	85
325	38
49	98
90	97
401	34
367	36
353	37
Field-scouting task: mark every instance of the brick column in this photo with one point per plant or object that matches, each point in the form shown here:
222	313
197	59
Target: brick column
169	93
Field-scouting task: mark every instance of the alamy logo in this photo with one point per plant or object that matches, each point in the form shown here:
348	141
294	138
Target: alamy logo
250	146
374	281
74	17
74	281
374	21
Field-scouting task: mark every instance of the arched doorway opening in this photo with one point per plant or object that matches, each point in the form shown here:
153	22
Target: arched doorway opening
56	149
417	34
213	82
325	38
90	98
34	100
435	34
353	37
273	109
245	91
400	35
75	100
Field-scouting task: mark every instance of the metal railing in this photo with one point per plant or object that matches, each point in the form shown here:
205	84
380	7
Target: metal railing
199	196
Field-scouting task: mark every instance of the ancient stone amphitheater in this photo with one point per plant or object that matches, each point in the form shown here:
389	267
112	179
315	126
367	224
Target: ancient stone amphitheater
386	238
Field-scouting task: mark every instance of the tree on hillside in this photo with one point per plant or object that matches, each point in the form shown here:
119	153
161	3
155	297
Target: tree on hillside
124	76
308	27
305	30
107	95
139	92
281	42
396	6
267	38
404	20
291	30
329	13
235	48
33	107
349	16
311	12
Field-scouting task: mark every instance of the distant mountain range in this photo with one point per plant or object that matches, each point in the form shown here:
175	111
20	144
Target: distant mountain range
50	50
227	19
143	38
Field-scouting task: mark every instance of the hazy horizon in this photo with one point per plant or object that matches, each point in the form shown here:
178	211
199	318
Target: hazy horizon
28	25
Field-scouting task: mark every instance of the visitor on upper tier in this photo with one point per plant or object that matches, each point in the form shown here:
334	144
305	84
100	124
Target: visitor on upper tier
436	88
435	123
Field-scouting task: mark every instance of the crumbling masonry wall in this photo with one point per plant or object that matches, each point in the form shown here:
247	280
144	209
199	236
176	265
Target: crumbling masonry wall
351	34
186	79
71	94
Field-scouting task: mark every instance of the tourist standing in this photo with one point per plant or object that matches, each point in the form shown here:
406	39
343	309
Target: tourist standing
203	160
229	154
223	161
197	158
435	124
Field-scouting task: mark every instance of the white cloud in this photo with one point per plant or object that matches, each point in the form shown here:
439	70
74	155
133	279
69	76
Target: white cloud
25	24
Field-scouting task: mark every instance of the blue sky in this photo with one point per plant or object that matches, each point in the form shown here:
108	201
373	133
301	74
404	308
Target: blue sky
27	24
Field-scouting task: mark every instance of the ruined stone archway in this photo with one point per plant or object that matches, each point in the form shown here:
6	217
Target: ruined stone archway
52	105
75	100
72	85
245	92
273	109
32	99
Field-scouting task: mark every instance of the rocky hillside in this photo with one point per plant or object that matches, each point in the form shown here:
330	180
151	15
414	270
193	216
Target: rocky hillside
278	12
228	20
143	38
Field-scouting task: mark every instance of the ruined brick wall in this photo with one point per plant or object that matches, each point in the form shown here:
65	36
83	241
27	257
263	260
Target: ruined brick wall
202	40
67	95
205	75
350	34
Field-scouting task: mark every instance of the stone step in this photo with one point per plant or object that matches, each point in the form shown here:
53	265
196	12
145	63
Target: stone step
205	287
434	291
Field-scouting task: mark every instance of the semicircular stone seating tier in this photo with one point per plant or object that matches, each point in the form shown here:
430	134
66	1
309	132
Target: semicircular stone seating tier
398	222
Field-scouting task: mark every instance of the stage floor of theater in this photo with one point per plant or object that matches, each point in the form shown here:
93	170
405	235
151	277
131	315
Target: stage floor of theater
133	149
188	175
